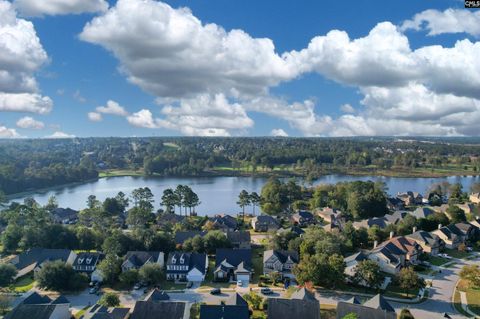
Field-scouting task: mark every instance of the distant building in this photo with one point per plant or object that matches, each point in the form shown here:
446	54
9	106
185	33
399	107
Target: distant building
224	222
65	216
411	198
430	243
303	218
239	239
264	223
329	215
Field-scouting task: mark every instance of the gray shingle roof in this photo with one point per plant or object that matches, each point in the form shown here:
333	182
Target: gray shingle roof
156	310
293	308
378	302
282	255
304	294
24	311
40	255
224	312
139	258
234	257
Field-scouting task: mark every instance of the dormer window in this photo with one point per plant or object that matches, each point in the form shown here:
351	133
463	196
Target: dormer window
80	260
89	260
174	260
182	260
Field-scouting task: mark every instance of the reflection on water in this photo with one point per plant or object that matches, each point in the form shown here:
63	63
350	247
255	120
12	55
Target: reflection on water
217	194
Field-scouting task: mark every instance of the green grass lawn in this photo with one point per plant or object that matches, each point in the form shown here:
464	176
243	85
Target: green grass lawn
23	284
120	172
328	311
209	283
473	296
257	263
457	254
437	260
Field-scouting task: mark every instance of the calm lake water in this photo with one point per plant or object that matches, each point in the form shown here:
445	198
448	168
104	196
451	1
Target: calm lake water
217	194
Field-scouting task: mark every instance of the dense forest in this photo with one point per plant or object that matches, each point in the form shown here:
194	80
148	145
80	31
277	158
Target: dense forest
33	164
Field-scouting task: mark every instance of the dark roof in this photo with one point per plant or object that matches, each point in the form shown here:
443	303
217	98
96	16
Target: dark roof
234	257
354	300
378	302
24	311
303	214
225	220
238	236
65	213
156	310
422	212
424	237
282	255
182	236
362	312
360	256
396	217
293	308
464	227
451	230
224	312
139	258
40	255
266	219
236	300
36	299
191	259
157	295
86	259
60	300
304	294
170	218
101	312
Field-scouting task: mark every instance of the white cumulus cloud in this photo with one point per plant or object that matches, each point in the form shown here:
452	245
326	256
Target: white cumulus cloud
449	21
59	135
112	108
28	122
278	132
8	132
35	8
347	108
94	116
21	55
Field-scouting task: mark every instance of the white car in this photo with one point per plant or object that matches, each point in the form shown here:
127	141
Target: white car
445	256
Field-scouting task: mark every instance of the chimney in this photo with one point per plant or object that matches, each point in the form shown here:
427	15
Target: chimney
391	234
439	226
375	244
414	229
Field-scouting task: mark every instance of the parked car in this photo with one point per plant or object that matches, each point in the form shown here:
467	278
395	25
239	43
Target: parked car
215	291
469	249
93	284
266	291
93	290
445	256
189	284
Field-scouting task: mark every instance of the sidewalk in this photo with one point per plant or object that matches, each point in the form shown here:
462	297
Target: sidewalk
463	299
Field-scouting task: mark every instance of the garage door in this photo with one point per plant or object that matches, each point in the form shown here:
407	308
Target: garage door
194	277
244	278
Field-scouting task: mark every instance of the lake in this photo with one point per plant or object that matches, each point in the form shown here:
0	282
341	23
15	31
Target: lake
217	194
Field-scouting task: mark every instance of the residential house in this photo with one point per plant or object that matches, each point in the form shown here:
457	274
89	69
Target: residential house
329	215
304	294
169	219
239	239
411	198
224	222
233	265
469	231
41	307
235	307
375	308
422	212
451	235
182	236
65	216
157	295
430	243
351	263
186	266
389	257
264	223
86	262
280	261
475	198
396	217
32	259
303	218
394	204
294	229
381	222
100	312
468	208
279	308
156	310
136	259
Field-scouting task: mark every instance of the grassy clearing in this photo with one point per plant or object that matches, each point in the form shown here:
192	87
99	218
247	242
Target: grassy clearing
457	254
171	146
473	296
23	284
119	172
437	261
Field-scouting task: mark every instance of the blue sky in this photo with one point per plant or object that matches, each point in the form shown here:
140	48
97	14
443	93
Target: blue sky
398	79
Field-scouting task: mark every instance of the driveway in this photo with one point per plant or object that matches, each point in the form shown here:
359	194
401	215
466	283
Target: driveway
81	300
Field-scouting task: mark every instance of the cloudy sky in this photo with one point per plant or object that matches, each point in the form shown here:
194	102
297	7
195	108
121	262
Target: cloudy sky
238	68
